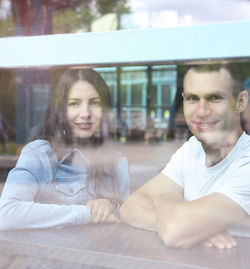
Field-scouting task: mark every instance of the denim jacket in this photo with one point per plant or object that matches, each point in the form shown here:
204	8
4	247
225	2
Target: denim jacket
42	191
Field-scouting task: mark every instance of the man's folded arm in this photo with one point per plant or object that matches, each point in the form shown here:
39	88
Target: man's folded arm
159	206
139	209
183	224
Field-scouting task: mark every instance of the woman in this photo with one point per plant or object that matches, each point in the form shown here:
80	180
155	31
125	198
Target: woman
66	176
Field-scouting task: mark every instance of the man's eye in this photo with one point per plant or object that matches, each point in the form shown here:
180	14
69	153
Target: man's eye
191	98
215	98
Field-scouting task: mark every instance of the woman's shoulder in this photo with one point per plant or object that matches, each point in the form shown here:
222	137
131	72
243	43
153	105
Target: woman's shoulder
39	151
39	159
110	152
119	160
39	147
116	155
111	158
38	144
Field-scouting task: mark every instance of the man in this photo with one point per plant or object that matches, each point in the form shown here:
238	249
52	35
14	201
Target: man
205	188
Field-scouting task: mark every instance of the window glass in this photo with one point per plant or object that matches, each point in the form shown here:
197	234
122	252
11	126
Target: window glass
139	94
145	121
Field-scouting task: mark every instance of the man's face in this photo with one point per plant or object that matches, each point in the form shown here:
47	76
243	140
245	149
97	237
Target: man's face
209	106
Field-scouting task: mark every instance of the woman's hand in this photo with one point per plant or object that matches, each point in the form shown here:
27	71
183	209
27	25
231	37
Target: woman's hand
101	211
222	241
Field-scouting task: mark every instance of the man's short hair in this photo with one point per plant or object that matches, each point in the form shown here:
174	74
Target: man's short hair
207	68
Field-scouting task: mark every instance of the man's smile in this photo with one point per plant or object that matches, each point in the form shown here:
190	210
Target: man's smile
204	125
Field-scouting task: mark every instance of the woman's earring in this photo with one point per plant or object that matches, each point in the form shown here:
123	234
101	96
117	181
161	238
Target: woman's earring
64	132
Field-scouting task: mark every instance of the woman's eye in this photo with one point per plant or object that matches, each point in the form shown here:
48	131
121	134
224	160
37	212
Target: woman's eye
73	104
95	103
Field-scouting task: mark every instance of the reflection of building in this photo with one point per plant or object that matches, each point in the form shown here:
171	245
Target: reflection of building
142	93
32	94
142	96
33	86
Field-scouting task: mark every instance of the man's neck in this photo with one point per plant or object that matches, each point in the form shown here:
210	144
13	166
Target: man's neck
217	152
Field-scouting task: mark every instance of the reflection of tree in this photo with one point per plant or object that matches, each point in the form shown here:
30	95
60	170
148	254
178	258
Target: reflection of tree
56	16
7	97
76	16
6	22
6	27
113	6
80	15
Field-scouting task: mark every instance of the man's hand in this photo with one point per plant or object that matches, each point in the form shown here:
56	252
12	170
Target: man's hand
221	241
101	211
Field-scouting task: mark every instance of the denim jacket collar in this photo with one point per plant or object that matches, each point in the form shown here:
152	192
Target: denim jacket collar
74	152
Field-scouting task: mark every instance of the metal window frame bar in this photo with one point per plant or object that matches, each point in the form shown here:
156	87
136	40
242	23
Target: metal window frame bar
221	41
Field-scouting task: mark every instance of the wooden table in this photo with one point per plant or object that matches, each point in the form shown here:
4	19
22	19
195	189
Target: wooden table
106	246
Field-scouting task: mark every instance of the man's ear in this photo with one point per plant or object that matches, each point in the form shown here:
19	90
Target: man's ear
242	101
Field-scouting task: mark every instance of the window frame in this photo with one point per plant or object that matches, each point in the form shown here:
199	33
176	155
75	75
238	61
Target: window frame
223	41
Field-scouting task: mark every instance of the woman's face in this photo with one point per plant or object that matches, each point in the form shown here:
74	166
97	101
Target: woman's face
84	109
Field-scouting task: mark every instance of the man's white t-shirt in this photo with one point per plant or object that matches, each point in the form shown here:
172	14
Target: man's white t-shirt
230	177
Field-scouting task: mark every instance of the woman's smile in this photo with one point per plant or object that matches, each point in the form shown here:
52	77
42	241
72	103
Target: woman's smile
84	125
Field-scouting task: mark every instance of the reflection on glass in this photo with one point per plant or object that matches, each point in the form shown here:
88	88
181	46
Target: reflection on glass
144	99
68	16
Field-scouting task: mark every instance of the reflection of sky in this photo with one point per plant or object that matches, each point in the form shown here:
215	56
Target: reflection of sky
172	13
4	9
